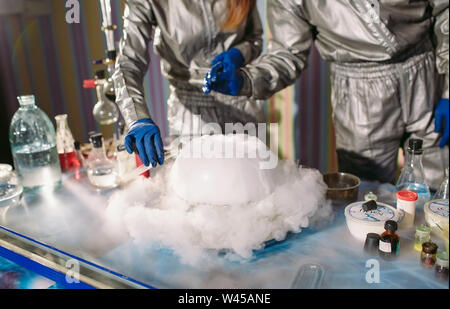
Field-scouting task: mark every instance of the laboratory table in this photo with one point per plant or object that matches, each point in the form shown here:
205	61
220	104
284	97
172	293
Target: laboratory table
65	236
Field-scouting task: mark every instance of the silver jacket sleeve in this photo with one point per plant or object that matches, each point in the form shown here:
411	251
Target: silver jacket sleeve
287	52
251	47
186	35
133	60
441	32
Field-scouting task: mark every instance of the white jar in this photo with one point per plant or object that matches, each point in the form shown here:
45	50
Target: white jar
406	201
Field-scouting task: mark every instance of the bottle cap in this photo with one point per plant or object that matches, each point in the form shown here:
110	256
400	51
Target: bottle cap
406	195
429	247
89	83
372	243
77	145
26	99
369	205
100	74
111	54
423	230
390	225
97	140
415	145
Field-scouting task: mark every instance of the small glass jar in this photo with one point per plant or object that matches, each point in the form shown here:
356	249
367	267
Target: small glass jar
428	254
10	187
370	196
422	235
442	266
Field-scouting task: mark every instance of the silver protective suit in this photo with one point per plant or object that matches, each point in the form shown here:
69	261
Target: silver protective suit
187	35
389	70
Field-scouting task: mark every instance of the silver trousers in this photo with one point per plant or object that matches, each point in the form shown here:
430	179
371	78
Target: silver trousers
378	108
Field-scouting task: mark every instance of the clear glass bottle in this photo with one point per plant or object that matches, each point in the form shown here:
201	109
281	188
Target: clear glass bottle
101	171
33	144
65	145
442	192
412	176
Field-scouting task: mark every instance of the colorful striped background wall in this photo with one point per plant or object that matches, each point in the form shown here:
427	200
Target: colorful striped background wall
41	54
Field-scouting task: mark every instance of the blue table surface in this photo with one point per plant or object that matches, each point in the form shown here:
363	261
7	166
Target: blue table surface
73	220
13	276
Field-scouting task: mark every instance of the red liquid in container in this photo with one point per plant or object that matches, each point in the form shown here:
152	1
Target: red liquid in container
69	161
139	163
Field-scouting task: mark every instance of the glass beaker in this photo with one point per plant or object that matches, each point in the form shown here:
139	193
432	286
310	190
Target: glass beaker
33	144
101	171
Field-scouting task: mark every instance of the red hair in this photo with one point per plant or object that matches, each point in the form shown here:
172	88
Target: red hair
238	11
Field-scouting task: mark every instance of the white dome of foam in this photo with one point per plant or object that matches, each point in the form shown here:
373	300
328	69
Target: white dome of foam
221	170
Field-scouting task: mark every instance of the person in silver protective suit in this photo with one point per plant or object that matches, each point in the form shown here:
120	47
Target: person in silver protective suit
187	35
389	75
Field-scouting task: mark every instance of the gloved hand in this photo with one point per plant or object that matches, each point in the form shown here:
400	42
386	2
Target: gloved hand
145	135
441	114
225	75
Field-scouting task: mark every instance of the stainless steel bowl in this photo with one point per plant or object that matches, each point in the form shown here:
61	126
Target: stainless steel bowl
342	187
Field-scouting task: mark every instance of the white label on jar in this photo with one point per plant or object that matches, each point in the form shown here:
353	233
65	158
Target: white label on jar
385	247
380	214
440	208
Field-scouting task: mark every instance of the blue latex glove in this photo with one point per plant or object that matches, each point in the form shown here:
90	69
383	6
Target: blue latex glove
225	75
145	136
441	115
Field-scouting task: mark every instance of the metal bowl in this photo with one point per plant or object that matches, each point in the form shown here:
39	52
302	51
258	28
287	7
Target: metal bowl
342	187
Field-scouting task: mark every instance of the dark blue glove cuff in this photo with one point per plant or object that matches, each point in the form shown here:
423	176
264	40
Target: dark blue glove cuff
237	56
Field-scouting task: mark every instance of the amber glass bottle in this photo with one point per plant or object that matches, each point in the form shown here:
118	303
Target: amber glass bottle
389	247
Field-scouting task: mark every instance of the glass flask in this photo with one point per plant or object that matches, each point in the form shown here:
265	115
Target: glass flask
33	145
101	171
442	192
105	111
10	187
412	176
65	145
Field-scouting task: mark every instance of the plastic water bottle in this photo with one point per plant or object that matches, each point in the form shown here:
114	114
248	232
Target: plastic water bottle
412	177
33	145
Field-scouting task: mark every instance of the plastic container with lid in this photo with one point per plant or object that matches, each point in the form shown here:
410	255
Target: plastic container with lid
406	201
360	222
10	187
436	216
